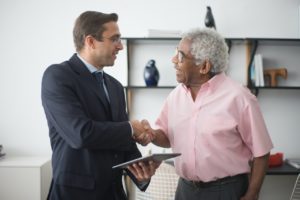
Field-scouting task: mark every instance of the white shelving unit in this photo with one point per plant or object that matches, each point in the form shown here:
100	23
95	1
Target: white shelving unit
23	178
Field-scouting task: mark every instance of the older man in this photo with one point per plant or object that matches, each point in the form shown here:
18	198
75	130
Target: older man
214	122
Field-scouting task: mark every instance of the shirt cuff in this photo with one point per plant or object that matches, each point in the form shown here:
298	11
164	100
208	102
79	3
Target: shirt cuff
131	128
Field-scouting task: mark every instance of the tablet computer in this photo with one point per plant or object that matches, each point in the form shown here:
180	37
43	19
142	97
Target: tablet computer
155	157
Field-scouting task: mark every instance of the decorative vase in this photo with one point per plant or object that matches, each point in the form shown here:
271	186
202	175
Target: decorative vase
209	18
151	74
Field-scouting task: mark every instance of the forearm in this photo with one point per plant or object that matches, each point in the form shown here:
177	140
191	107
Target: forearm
161	139
260	165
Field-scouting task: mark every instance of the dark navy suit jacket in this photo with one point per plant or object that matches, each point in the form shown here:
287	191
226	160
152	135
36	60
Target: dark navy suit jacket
87	138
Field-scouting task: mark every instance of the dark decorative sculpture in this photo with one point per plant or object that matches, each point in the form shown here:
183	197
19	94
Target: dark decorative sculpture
151	74
209	19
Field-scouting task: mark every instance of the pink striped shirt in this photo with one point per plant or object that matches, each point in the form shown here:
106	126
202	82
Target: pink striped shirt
218	133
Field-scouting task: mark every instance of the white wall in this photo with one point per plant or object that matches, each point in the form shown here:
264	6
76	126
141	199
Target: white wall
36	33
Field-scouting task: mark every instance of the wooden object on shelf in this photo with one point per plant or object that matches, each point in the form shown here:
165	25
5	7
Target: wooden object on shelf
272	75
248	59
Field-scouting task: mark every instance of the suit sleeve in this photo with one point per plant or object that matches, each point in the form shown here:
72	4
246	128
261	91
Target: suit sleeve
67	116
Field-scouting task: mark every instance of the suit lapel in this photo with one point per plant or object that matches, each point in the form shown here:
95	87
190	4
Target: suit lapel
87	78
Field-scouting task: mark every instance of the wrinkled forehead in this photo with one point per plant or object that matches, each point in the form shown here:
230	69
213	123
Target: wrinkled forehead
185	45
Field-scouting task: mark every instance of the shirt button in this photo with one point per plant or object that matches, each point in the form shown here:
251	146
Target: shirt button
116	155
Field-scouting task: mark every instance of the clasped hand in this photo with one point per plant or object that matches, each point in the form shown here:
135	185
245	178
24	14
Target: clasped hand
142	132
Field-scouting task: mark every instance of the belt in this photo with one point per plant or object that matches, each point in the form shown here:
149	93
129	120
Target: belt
221	181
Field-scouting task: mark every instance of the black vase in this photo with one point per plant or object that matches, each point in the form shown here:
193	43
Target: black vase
151	74
209	19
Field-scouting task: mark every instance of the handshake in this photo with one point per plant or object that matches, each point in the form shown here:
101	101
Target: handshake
142	132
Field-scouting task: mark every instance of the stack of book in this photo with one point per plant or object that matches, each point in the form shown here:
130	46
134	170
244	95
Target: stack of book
2	155
164	33
295	162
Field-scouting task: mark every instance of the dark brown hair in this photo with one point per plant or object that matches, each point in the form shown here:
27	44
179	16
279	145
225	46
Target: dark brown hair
90	23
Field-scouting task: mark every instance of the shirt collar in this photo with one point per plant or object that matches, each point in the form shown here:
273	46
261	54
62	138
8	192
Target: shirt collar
211	83
89	66
215	81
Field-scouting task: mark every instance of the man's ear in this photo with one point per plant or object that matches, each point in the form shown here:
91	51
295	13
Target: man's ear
89	42
205	67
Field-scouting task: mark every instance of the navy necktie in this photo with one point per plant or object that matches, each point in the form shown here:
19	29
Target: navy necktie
100	80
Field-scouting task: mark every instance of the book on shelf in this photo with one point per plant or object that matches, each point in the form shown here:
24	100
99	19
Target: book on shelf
295	162
252	74
259	71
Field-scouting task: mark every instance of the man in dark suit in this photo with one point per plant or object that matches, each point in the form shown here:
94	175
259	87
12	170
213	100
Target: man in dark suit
86	113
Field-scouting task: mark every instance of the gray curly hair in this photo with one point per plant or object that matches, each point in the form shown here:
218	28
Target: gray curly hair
207	44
